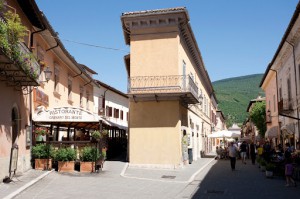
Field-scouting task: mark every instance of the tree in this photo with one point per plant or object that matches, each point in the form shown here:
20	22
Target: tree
258	117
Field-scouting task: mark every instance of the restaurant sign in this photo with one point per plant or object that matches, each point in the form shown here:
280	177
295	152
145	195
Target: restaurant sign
64	114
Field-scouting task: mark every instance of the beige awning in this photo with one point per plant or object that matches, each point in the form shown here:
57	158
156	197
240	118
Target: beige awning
272	132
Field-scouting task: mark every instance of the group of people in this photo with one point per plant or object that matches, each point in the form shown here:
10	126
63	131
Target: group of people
245	150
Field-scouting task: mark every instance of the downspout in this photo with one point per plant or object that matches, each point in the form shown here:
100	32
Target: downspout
31	37
294	57
279	127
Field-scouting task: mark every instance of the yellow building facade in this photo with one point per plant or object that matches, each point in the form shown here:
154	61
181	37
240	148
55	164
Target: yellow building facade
168	86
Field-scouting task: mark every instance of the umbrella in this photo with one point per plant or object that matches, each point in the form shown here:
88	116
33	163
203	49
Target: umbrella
223	134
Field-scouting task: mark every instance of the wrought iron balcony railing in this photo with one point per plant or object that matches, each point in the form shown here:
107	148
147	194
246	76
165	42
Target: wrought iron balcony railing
18	67
163	84
20	70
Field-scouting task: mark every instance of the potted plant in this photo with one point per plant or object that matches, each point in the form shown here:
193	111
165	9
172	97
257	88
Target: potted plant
42	154
88	158
263	164
40	133
96	135
270	167
101	160
66	159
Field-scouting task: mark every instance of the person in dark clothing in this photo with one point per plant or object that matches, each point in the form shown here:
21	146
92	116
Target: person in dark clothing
243	150
252	152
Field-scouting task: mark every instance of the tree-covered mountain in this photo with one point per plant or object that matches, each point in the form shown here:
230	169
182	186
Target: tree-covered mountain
234	95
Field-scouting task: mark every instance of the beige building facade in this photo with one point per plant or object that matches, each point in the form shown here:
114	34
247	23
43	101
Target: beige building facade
61	100
168	87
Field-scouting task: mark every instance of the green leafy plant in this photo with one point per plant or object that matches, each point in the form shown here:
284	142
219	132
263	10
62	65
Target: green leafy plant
90	154
42	151
270	167
258	117
12	33
263	163
65	154
96	135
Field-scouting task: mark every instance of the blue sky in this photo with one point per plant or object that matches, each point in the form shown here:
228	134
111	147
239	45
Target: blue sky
235	37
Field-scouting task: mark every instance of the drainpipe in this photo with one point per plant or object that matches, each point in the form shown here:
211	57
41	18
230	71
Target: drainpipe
279	127
294	57
31	37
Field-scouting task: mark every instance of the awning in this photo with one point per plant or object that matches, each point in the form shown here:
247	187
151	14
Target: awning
288	129
225	134
67	117
272	132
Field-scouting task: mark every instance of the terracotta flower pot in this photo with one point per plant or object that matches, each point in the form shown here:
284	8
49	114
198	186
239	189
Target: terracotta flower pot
41	164
87	166
66	166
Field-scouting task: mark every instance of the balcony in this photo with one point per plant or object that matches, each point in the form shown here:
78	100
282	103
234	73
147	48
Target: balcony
20	69
176	87
285	106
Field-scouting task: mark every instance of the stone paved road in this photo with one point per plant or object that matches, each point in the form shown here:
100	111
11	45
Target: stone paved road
216	180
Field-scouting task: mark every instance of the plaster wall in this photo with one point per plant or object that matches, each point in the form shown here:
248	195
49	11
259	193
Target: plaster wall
155	134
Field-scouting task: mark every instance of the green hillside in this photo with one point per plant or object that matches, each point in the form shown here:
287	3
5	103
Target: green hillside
234	94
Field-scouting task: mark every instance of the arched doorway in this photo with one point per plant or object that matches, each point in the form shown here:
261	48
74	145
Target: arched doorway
15	125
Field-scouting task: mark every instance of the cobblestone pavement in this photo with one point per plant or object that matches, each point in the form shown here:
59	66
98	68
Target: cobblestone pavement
205	178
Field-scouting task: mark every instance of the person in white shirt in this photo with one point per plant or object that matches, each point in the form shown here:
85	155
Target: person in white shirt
232	152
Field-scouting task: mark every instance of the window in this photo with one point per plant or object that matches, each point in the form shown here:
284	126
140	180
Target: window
70	79
116	113
280	90
289	89
87	100
108	111
121	115
274	103
205	110
56	78
81	96
127	116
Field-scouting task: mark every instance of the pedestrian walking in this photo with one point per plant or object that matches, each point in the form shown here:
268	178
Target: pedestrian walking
253	152
243	150
232	152
289	173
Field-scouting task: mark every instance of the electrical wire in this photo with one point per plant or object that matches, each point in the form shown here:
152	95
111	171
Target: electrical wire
86	44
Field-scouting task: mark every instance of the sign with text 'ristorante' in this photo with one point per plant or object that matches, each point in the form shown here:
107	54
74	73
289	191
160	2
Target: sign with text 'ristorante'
65	114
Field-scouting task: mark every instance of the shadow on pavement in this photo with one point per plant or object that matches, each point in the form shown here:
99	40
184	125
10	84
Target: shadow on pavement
247	181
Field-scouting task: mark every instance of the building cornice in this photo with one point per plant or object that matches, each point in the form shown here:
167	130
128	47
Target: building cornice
172	17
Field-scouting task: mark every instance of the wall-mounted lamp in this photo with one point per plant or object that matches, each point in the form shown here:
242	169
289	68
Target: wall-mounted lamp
48	74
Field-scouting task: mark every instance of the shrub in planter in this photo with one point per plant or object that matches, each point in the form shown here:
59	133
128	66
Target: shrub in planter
65	158
270	167
42	153
88	159
263	164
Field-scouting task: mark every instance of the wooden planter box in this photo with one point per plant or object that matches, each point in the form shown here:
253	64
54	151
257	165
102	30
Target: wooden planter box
87	166
41	164
66	166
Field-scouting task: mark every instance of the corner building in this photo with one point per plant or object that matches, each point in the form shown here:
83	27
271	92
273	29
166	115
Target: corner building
168	87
